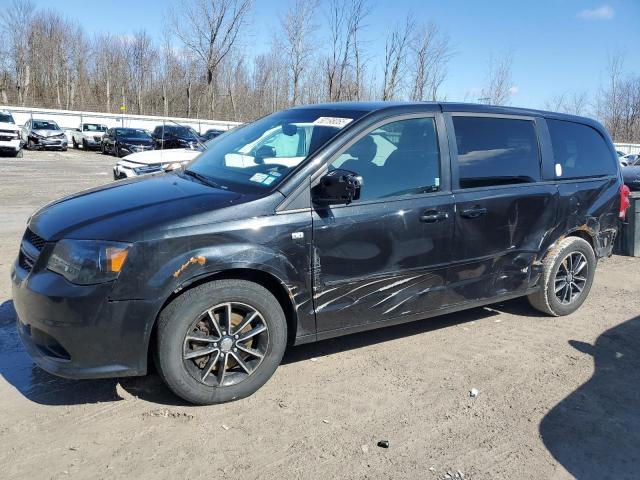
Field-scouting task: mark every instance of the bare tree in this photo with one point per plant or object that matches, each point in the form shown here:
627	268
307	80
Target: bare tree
499	85
210	28
344	65
16	19
297	26
430	54
141	56
574	103
395	54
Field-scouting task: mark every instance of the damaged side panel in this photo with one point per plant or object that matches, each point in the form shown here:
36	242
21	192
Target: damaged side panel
588	208
277	246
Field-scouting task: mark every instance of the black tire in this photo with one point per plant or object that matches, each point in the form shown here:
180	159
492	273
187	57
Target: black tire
74	143
102	149
183	313
64	149
30	145
546	299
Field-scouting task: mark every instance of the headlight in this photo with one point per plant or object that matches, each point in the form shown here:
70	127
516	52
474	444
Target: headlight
87	262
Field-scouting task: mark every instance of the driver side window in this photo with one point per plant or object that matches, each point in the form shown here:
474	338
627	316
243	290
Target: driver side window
399	158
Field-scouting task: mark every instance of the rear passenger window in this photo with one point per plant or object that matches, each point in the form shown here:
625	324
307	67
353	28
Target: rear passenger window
496	151
580	151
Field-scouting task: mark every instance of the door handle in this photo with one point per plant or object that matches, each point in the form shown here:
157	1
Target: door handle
433	216
473	212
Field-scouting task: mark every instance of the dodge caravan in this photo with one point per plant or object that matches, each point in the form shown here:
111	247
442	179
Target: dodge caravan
351	216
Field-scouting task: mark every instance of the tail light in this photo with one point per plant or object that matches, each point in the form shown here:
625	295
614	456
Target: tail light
624	201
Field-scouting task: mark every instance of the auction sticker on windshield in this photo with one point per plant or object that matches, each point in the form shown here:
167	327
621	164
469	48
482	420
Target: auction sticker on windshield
337	122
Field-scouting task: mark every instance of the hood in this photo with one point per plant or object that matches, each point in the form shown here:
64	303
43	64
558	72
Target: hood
9	126
153	157
93	134
132	210
47	133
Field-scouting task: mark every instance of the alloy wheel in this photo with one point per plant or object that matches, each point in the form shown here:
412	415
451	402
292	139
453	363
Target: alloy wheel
225	344
571	277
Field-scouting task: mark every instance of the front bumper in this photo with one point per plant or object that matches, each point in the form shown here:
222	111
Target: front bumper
50	142
92	142
75	331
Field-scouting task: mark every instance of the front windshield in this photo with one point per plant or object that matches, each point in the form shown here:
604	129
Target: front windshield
259	155
6	118
94	127
45	125
132	133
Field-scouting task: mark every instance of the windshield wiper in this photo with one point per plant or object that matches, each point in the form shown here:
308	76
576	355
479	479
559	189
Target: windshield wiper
203	178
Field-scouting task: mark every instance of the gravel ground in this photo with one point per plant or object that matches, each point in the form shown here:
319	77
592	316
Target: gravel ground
557	397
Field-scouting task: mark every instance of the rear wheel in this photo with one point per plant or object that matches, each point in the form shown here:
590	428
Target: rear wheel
220	341
567	277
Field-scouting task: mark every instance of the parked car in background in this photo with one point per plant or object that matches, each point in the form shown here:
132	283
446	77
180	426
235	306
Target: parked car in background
158	160
152	162
175	136
89	135
120	141
212	133
367	215
43	134
631	176
630	159
10	142
620	153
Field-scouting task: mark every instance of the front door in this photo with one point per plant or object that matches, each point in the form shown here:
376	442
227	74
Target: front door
503	210
385	255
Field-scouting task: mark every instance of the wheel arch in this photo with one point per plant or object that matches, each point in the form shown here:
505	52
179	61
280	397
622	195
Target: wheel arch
263	278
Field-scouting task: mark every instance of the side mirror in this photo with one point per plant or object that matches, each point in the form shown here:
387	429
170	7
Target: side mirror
338	187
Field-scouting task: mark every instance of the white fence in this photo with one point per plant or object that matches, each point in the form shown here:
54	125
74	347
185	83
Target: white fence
628	147
68	119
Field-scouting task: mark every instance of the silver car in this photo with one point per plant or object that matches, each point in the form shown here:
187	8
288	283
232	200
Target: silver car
43	134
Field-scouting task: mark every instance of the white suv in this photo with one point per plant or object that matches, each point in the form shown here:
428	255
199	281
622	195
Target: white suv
9	135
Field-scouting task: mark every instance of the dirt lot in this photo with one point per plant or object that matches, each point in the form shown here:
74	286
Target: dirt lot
558	397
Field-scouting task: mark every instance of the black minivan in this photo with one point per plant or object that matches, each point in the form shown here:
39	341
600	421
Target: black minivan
311	223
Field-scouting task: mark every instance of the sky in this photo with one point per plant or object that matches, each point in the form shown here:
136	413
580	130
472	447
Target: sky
558	46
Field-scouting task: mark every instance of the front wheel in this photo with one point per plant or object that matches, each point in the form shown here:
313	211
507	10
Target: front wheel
567	276
220	341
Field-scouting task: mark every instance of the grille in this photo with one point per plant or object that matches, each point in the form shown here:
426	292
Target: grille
9	131
6	138
97	138
25	262
35	240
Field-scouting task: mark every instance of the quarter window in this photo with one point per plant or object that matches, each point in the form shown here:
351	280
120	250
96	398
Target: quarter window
496	151
399	158
580	151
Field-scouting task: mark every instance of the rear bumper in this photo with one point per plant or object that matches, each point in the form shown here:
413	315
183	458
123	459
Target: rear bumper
76	331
